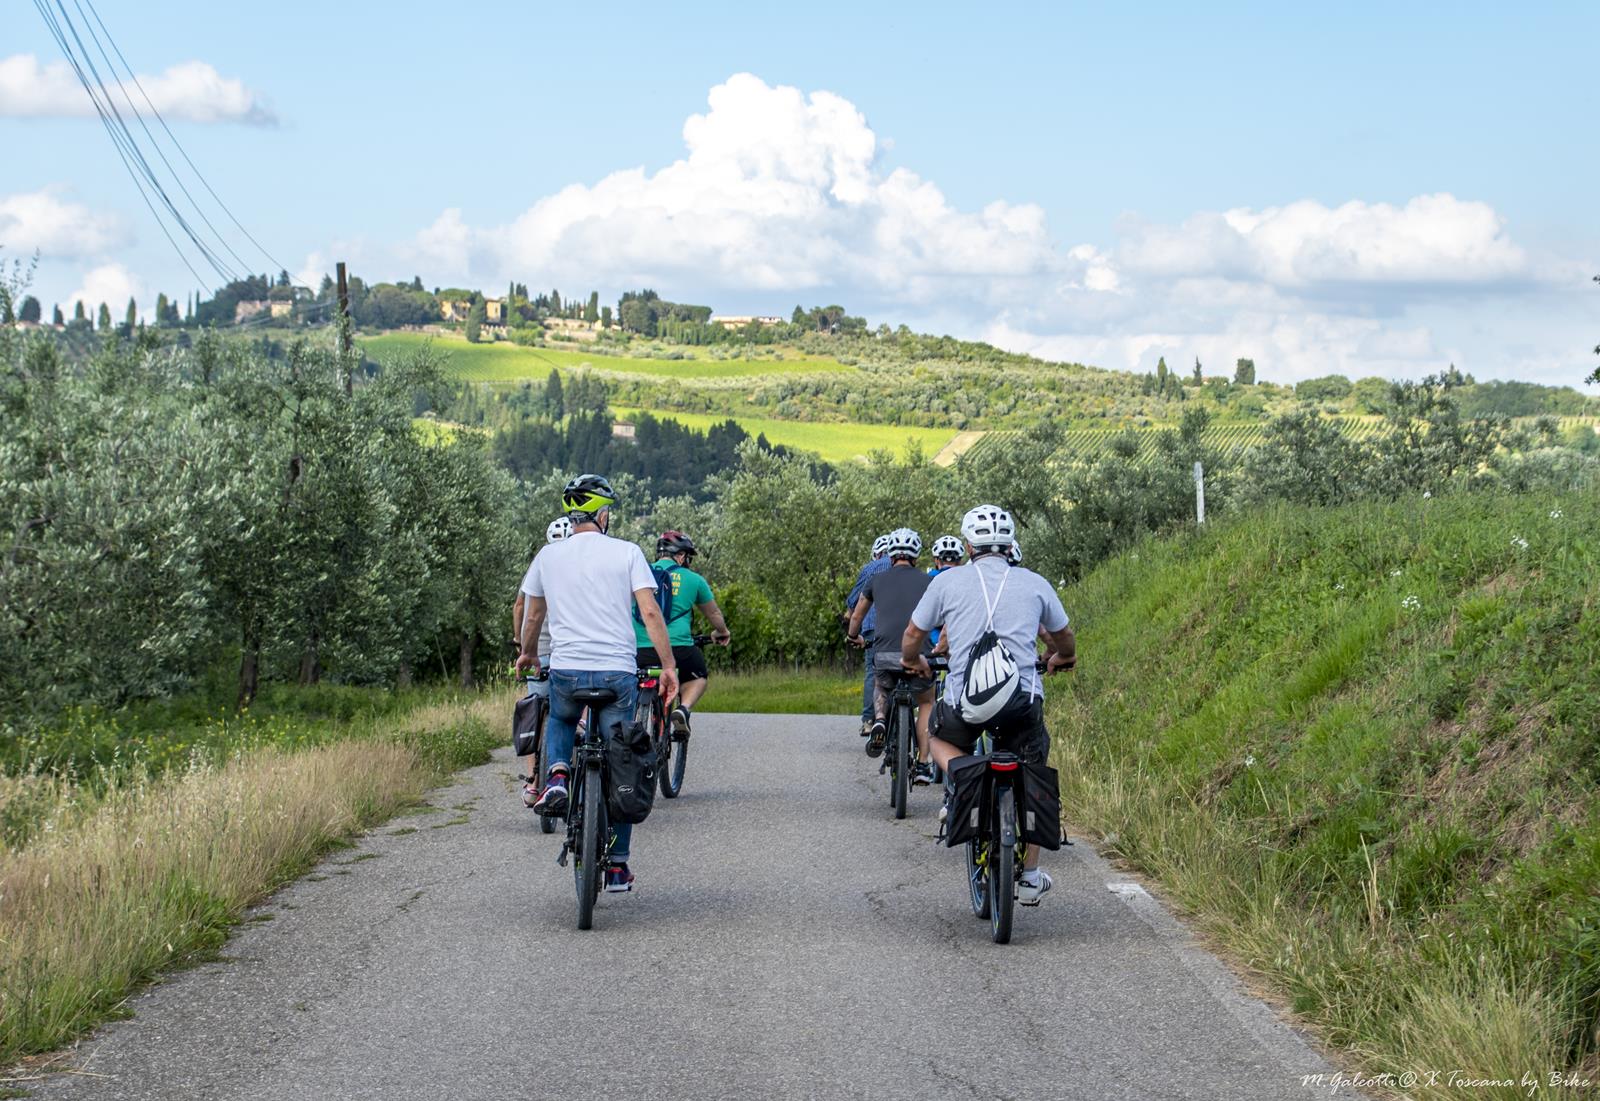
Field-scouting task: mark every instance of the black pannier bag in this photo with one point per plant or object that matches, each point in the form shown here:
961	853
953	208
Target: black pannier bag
1039	814
630	773
525	724
968	799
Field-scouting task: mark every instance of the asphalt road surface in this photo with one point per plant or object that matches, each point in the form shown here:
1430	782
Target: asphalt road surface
786	938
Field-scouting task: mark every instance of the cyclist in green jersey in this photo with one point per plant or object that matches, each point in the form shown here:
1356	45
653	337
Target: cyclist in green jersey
674	552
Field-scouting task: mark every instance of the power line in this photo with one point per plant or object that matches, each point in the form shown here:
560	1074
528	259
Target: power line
179	146
134	111
123	155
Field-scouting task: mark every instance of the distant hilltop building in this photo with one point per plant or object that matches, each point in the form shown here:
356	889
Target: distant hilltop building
244	311
741	322
457	309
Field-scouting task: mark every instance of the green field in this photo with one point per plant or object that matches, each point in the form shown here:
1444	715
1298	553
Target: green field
509	363
834	442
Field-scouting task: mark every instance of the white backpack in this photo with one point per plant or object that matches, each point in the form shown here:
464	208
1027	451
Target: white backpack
993	680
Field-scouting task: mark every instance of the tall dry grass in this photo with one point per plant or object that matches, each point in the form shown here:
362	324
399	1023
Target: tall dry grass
115	885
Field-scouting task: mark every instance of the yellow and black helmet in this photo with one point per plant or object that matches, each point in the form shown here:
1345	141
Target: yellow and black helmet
586	495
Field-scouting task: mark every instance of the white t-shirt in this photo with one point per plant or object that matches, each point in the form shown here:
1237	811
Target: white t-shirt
588	581
1023	602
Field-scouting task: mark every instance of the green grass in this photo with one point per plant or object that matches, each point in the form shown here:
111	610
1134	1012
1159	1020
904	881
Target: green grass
784	692
1359	745
835	443
509	363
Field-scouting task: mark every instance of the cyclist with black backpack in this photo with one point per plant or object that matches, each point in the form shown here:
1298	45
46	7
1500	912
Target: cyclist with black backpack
991	613
679	592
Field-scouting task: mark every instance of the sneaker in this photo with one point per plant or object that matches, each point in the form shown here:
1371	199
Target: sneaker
1029	893
922	774
866	727
618	879
530	792
875	735
679	724
554	799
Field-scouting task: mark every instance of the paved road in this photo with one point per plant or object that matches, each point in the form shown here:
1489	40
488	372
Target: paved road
787	938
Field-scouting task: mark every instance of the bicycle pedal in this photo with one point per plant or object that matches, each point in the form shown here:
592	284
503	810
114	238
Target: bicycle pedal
561	860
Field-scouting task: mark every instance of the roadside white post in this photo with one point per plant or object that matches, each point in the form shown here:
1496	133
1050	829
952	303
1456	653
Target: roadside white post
1199	493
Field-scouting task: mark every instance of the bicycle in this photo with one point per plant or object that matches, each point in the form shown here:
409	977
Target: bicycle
547	822
900	739
996	853
587	821
671	753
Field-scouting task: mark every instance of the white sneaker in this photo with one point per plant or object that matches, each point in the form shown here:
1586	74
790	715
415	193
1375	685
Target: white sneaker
1028	893
530	792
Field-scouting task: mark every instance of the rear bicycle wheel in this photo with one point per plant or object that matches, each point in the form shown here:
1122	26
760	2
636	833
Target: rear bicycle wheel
900	773
541	767
1002	869
586	870
674	758
978	877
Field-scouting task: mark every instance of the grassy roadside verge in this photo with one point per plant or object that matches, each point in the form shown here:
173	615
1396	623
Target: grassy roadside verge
120	878
783	691
1358	745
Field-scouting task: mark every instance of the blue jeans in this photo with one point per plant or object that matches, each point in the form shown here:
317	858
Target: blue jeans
561	729
868	682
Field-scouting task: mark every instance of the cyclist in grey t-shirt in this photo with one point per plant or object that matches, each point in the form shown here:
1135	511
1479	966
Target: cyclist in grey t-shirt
1024	607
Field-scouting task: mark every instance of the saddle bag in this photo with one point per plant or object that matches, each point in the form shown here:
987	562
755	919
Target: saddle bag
525	725
631	769
1039	816
968	799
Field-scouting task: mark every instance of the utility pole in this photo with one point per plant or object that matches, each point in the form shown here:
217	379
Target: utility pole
344	329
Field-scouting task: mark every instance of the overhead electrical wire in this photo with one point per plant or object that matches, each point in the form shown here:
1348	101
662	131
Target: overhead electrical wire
153	190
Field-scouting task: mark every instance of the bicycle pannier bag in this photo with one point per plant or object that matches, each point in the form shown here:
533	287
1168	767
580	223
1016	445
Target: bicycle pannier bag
1039	817
993	681
968	799
525	724
630	773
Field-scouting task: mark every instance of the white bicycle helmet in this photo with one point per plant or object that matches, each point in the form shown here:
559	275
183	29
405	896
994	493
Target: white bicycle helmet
1014	554
989	527
947	548
879	546
903	543
558	530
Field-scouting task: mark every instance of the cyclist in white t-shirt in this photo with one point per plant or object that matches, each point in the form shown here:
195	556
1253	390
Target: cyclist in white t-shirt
586	586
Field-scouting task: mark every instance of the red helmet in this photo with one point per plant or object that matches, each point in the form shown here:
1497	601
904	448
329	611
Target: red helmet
675	542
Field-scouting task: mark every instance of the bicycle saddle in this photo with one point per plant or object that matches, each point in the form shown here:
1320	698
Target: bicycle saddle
598	697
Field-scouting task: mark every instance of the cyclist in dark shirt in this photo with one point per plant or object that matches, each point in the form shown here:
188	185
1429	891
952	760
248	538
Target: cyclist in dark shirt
893	594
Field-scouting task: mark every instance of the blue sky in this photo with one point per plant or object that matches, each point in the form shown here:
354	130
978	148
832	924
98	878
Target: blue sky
1370	188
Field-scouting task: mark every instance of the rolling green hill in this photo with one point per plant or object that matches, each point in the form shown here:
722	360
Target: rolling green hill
1360	744
513	363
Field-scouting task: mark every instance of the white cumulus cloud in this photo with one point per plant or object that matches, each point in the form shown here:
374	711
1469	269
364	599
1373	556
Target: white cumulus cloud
192	91
1432	239
43	222
112	284
777	190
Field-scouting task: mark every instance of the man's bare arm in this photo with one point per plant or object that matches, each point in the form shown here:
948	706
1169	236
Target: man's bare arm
531	624
719	626
1063	649
858	616
911	644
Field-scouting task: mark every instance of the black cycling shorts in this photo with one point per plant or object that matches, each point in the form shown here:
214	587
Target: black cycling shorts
691	662
1020	731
